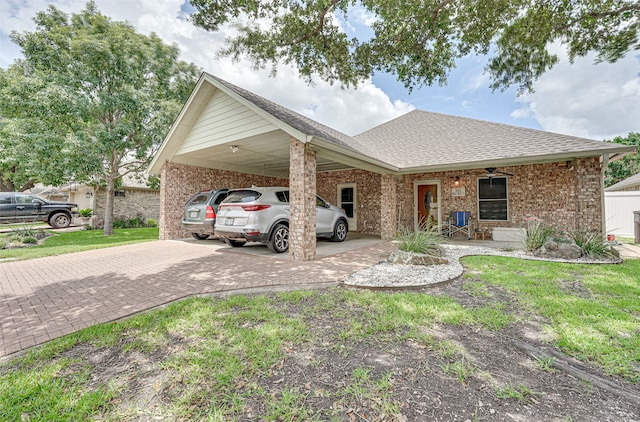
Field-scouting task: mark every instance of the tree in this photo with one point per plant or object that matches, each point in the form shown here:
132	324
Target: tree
420	41
93	98
627	166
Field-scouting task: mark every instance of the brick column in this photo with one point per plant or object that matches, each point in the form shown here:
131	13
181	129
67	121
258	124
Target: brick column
163	221
302	200
389	209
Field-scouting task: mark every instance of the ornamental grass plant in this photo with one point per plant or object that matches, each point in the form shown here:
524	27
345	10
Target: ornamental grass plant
426	240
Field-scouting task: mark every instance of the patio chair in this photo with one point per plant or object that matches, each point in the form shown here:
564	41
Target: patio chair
460	222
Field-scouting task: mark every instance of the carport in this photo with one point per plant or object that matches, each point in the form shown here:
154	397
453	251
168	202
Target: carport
252	141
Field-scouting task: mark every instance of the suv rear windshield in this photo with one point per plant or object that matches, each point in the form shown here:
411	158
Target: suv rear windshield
241	196
198	199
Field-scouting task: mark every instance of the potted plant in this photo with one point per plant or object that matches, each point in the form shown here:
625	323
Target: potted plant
85	214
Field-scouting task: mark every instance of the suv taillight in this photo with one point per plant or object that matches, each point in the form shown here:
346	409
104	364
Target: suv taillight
255	207
210	212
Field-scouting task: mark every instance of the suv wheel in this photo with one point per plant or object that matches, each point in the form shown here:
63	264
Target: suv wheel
279	241
200	236
339	231
60	220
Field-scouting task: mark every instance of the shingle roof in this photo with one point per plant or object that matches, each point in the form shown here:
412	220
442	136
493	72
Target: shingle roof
629	181
425	139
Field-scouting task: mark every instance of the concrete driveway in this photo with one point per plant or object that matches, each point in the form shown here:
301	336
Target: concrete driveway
45	298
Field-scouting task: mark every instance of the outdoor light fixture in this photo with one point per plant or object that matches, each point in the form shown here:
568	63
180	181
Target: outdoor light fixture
89	194
457	181
234	148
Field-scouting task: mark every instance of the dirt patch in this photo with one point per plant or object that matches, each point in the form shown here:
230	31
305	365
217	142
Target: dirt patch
450	373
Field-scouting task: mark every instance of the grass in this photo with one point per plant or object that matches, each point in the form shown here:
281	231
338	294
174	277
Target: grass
592	310
78	241
220	358
212	353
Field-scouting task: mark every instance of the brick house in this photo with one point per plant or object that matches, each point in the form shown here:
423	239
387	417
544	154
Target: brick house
133	198
419	165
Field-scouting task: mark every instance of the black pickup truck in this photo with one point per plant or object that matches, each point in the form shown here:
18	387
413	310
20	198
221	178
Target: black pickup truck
18	207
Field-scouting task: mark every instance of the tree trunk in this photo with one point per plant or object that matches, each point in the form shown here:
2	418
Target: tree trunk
108	207
111	187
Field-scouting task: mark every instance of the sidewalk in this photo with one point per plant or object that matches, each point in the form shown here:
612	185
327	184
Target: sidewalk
628	251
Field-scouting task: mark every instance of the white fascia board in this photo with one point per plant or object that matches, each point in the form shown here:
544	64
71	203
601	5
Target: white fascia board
509	161
350	157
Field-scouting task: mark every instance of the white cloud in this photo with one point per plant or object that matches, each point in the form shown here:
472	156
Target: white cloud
594	101
348	110
584	99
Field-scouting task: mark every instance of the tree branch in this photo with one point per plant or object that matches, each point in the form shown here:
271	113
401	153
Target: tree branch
318	27
600	15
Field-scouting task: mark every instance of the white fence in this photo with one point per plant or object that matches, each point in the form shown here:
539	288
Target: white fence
619	208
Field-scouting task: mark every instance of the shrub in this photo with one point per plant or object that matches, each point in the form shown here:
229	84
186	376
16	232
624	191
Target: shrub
19	233
592	244
86	212
133	222
537	234
426	240
3	243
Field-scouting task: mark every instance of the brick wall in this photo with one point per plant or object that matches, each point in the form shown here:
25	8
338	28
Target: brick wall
566	196
134	203
179	182
367	195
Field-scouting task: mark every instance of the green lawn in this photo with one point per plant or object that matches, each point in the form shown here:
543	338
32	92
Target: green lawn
212	358
78	241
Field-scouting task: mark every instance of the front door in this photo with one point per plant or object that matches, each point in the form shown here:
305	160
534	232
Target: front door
427	202
347	201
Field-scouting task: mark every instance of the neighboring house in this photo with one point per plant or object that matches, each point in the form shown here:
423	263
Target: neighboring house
621	200
132	199
629	184
395	175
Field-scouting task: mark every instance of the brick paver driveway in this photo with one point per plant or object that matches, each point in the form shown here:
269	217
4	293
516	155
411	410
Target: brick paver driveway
45	298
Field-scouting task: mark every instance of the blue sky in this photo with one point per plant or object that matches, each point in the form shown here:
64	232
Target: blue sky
580	99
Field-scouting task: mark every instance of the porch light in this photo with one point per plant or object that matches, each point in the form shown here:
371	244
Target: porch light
88	195
457	181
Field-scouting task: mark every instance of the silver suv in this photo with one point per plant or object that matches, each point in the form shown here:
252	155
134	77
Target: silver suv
262	215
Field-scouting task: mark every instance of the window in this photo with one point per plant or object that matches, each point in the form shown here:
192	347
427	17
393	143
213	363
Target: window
283	196
24	199
492	199
119	193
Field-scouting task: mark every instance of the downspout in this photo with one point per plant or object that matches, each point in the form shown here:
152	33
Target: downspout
603	169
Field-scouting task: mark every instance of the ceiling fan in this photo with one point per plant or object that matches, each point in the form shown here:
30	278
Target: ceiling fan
493	172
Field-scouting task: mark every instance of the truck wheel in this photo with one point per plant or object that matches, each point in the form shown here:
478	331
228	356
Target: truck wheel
200	236
60	220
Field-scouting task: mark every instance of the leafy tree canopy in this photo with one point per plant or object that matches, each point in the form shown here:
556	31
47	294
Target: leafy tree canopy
419	41
627	166
91	100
